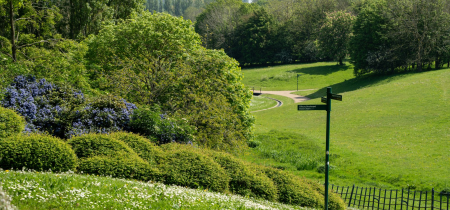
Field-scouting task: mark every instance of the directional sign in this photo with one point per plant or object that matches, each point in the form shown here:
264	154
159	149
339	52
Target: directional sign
311	107
323	99
336	97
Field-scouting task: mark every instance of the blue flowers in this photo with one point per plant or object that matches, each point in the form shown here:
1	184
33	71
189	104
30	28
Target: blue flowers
63	112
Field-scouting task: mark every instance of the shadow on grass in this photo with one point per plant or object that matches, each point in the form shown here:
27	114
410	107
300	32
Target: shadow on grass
358	83
320	70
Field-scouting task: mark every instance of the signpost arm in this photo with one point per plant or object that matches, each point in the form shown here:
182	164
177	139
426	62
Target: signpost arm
327	157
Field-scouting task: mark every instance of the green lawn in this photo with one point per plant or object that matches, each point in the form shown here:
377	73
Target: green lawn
389	131
44	190
312	76
261	102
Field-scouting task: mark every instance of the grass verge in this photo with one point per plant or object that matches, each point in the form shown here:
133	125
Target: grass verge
34	190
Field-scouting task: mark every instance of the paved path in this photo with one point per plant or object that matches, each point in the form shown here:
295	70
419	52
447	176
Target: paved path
288	94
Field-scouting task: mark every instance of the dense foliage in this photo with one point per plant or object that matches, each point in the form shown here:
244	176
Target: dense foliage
335	34
38	152
243	179
64	112
10	123
146	149
191	168
160	127
175	72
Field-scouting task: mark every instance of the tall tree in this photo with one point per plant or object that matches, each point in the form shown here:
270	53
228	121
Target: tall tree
335	34
158	59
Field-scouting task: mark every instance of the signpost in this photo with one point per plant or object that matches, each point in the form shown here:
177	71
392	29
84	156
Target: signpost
326	107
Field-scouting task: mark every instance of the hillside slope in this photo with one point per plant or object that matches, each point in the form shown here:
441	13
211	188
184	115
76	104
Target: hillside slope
394	132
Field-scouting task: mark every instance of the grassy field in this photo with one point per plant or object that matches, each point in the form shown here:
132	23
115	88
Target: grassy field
261	102
389	131
37	190
312	76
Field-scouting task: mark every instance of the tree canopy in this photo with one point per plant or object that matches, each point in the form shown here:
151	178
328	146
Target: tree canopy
158	59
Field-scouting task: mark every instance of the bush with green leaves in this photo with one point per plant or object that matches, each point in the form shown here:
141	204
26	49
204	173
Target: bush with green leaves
103	154
94	144
152	123
292	190
174	71
145	148
335	202
188	167
243	180
121	165
10	123
38	152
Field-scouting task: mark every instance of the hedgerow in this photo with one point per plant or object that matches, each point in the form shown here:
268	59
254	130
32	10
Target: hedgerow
243	180
38	152
292	190
146	149
121	165
191	168
10	123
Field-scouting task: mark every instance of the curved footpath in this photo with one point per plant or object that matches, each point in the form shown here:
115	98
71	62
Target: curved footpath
288	94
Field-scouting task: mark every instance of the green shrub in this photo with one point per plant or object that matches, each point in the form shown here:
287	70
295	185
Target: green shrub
90	145
10	123
335	202
190	168
38	152
121	166
243	180
160	127
146	149
292	190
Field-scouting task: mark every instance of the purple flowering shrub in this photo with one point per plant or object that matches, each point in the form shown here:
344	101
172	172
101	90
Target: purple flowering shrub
64	112
104	114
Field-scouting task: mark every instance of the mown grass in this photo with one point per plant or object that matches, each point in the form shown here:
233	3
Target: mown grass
389	131
312	76
261	102
37	190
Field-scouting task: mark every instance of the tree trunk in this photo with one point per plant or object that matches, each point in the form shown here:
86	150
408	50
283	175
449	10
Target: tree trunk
340	62
437	63
13	41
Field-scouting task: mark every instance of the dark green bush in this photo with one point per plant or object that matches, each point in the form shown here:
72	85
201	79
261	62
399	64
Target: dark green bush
292	190
189	167
38	152
90	145
10	123
335	202
151	123
245	181
146	149
121	166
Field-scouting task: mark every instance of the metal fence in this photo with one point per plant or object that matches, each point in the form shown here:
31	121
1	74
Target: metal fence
405	199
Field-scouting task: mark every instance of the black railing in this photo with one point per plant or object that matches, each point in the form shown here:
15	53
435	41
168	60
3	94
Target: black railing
405	199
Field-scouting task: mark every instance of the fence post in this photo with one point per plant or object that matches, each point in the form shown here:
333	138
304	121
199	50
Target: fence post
432	198
350	202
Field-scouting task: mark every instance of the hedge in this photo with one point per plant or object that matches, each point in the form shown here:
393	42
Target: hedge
188	167
244	179
292	190
38	152
146	149
90	145
11	123
120	166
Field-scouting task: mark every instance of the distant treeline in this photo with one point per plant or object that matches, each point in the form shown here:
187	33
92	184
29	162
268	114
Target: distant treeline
378	35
